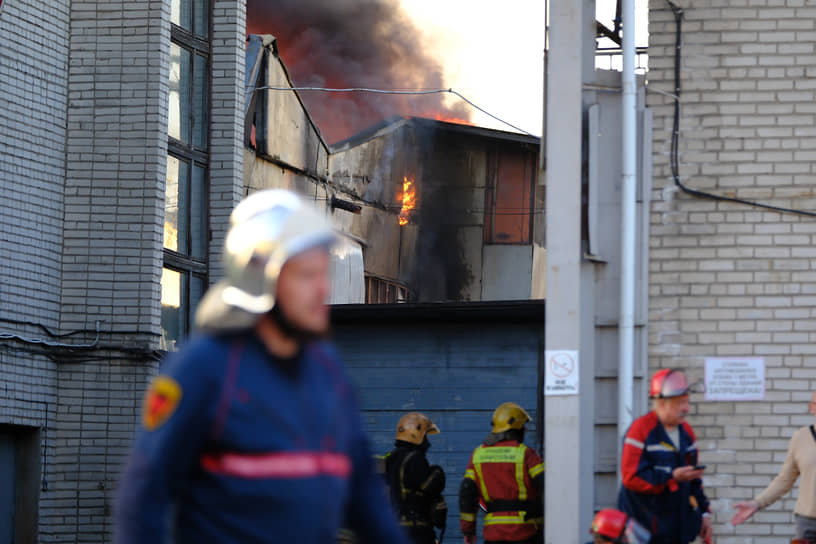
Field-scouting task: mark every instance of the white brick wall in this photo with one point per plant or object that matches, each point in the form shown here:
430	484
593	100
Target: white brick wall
729	279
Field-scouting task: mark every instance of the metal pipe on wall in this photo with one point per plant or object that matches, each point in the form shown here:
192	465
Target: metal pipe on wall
542	156
626	326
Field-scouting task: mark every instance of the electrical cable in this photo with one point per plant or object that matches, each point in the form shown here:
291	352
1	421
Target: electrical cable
53	334
503	210
60	356
12	336
390	91
65	352
675	136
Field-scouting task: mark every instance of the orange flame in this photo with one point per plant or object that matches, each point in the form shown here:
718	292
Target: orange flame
445	118
408	200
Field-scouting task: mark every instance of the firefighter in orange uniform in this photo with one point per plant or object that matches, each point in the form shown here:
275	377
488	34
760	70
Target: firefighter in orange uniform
507	477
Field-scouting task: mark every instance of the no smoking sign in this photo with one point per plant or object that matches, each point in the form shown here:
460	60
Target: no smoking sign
561	372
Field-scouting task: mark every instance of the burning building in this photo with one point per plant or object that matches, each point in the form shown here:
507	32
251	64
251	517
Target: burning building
432	210
283	148
447	211
450	212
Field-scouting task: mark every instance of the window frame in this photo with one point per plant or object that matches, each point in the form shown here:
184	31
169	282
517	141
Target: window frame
179	261
492	183
185	292
185	39
379	290
181	258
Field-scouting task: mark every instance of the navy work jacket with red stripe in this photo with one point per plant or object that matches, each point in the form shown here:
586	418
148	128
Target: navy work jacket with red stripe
671	510
239	450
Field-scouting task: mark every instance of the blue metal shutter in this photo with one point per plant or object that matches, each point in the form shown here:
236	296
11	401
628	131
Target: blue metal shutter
456	373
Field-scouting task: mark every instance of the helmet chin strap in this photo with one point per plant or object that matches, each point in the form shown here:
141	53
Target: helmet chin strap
290	329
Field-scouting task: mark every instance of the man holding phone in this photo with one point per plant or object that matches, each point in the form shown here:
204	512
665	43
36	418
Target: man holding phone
662	484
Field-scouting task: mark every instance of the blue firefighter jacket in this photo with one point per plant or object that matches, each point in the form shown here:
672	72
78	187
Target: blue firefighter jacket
235	449
671	510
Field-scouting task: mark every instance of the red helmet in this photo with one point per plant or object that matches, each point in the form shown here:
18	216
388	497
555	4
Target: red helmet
668	383
619	528
609	523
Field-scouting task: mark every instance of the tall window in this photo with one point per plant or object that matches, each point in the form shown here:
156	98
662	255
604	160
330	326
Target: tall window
509	197
186	229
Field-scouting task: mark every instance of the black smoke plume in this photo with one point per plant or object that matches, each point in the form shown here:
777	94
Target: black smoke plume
354	43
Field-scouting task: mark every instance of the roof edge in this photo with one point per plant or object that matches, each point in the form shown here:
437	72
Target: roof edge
529	311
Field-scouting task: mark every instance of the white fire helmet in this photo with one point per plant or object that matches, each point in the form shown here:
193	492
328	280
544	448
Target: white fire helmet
266	229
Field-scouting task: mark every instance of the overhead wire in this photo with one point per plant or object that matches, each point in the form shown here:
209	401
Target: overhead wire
675	135
392	91
500	211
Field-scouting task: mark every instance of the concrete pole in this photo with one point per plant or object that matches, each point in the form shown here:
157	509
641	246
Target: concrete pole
569	449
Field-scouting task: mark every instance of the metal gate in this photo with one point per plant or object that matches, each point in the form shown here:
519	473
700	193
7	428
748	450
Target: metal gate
453	361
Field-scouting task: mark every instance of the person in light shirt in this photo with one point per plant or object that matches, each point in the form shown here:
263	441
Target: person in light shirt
800	461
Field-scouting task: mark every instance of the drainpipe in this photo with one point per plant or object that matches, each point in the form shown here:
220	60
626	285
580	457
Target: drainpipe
626	327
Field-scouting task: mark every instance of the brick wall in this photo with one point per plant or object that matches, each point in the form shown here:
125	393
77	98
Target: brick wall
33	55
729	279
97	409
83	129
227	128
116	164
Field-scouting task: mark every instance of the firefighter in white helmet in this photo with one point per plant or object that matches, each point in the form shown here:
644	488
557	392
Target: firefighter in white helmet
251	433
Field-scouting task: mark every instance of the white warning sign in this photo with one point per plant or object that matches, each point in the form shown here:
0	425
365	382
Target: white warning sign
734	378
561	372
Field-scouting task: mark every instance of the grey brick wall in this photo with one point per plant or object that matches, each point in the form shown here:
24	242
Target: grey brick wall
729	279
116	163
227	126
33	56
97	410
33	60
83	133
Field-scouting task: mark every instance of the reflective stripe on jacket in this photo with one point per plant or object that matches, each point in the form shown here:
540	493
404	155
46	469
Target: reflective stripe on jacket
508	478
241	449
671	510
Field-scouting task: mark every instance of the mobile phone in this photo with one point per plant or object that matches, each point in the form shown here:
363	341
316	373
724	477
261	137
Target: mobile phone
699	467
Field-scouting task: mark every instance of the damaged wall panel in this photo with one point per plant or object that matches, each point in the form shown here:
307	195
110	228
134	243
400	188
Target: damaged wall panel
474	187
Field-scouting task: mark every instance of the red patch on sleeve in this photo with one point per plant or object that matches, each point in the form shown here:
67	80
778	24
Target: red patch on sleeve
161	400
